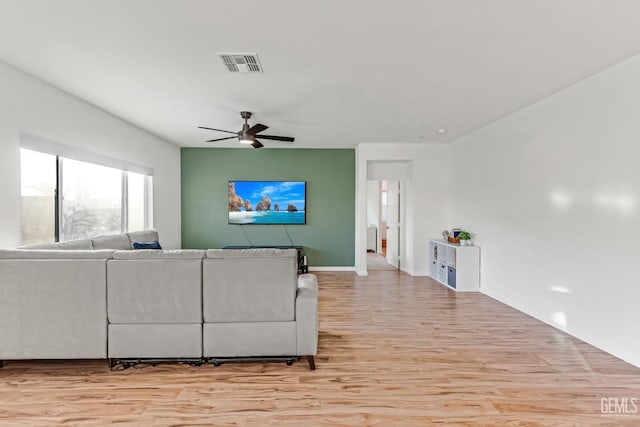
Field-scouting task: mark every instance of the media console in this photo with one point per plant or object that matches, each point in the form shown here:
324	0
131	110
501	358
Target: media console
303	267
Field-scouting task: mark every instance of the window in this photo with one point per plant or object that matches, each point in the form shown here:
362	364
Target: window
65	199
38	178
91	200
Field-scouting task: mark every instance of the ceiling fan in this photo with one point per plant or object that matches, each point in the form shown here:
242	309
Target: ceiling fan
248	134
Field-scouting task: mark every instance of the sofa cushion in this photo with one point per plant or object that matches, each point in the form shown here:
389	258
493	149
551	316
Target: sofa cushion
145	245
52	309
154	290
249	289
247	339
117	241
143	236
155	340
54	254
142	254
80	244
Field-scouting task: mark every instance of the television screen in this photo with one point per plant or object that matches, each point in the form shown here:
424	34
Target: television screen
267	202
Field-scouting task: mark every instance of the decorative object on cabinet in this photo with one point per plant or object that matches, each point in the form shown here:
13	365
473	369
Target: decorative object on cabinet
465	238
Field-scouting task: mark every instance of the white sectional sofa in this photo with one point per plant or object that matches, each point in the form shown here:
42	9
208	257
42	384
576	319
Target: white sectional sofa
98	299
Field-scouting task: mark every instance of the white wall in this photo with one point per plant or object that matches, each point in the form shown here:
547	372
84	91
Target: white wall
424	190
552	193
32	106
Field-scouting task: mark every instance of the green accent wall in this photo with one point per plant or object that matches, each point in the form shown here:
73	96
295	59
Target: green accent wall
328	237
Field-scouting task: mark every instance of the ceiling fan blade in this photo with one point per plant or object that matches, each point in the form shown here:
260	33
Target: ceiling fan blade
257	144
278	138
257	128
219	130
222	139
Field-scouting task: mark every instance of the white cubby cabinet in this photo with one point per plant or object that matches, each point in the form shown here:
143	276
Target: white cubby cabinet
455	266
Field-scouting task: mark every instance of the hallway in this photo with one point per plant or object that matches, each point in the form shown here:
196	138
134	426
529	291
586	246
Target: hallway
377	262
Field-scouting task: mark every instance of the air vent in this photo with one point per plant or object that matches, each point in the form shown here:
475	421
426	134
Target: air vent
241	62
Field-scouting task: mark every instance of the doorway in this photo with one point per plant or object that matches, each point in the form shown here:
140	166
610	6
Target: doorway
384	170
383	225
393	224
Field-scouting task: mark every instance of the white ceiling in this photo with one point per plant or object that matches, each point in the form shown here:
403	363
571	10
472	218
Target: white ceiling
337	72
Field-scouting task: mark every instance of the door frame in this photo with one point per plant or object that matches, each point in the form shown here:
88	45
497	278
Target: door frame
362	165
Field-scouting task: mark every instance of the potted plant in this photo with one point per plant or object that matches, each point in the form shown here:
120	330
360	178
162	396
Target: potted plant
465	238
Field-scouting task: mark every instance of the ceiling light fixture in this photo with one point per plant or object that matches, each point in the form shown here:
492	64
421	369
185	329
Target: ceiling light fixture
247	135
442	130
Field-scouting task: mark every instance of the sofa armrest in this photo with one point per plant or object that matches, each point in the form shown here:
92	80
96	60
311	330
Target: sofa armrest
307	315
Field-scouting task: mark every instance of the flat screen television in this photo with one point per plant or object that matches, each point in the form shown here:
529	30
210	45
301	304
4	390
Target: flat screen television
267	202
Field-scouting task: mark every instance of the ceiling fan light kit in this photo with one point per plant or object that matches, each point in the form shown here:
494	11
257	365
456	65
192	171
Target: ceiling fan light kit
247	135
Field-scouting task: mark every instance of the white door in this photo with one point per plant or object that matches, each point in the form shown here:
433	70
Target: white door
393	223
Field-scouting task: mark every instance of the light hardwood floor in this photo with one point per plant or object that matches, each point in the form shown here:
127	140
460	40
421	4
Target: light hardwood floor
394	351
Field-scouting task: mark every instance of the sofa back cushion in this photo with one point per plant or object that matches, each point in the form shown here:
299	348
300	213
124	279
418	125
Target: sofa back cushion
249	285
154	254
81	244
45	254
151	286
122	241
117	241
52	308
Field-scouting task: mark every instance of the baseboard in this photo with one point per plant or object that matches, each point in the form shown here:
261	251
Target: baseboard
414	273
581	335
332	269
420	273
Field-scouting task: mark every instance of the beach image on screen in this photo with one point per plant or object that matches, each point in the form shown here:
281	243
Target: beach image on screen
267	202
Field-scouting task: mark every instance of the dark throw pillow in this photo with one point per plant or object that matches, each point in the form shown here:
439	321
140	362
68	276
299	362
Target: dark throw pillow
146	245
